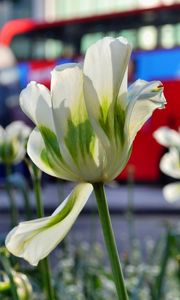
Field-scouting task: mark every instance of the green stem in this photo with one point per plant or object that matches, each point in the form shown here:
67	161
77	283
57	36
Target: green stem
13	208
8	270
163	267
110	241
130	207
26	203
44	264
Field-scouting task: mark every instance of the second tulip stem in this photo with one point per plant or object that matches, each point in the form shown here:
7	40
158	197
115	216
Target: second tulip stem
44	264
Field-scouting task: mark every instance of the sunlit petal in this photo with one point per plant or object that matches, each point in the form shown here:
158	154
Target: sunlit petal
105	67
35	101
67	98
143	98
34	240
80	145
69	111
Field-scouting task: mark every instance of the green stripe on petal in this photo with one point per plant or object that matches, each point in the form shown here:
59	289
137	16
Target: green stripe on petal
113	127
44	157
47	157
80	140
105	119
119	123
51	142
34	240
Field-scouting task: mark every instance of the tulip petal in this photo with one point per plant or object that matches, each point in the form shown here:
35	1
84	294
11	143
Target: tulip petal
80	145
35	101
34	240
171	192
105	69
170	163
48	157
143	98
43	149
67	97
67	100
167	137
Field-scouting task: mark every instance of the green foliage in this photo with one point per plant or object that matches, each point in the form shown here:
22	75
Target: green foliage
82	272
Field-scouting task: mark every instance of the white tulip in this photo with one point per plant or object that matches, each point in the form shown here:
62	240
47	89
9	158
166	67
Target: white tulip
85	127
86	124
12	142
171	192
170	163
167	137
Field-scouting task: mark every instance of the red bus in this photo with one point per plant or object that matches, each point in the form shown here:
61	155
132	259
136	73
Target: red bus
155	36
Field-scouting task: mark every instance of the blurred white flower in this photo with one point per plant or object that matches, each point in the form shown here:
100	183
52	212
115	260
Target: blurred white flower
24	288
13	141
85	127
170	163
167	137
171	192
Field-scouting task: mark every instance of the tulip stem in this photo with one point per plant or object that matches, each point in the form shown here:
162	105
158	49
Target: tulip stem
110	241
13	208
44	264
7	268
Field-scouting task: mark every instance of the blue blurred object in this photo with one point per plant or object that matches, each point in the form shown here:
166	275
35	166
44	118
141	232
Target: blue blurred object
162	64
23	69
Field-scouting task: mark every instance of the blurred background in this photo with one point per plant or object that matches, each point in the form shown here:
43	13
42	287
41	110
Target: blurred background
36	35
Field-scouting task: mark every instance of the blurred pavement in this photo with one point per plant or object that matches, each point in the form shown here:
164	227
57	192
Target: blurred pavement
144	198
152	214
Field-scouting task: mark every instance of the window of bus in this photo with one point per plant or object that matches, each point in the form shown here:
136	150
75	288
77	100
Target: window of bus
90	38
40	48
21	47
167	36
132	36
148	37
177	34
